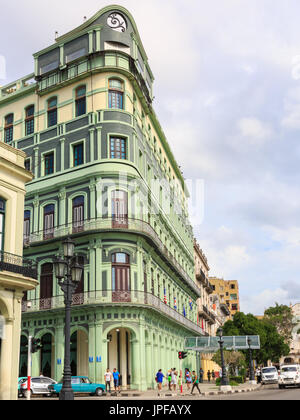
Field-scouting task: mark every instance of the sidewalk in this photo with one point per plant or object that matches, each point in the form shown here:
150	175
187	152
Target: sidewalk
206	390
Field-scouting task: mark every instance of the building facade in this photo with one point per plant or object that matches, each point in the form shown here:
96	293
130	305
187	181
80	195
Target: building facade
228	292
105	176
16	273
294	356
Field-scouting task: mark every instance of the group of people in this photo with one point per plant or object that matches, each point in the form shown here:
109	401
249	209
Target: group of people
109	377
191	380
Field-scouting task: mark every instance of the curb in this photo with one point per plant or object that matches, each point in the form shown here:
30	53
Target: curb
203	394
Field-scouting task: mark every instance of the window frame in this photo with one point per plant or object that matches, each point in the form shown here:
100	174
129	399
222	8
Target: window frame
29	121
45	156
52	110
8	128
2	224
120	152
115	93
79	100
75	146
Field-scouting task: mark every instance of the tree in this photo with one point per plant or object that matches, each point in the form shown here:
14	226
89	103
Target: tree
272	344
281	316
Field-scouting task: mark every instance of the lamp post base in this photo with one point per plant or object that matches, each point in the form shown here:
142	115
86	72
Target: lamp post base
66	395
225	388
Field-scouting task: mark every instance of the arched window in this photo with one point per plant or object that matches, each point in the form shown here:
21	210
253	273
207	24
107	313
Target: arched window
80	102
29	120
26	226
46	286
121	277
78	214
49	221
9	128
78	295
2	224
116	94
52	112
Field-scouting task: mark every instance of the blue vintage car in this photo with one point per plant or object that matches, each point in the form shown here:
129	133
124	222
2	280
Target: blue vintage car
80	385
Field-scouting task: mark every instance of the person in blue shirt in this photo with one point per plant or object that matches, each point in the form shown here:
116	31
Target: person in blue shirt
116	376
159	379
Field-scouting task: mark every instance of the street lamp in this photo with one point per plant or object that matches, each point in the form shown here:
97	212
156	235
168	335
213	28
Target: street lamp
224	379
68	273
251	371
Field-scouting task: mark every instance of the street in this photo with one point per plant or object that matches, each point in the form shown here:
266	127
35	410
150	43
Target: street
266	393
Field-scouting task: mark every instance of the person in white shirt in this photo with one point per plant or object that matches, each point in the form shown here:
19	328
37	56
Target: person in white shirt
174	379
108	379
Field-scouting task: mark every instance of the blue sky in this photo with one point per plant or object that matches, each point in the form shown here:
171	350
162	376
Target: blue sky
227	94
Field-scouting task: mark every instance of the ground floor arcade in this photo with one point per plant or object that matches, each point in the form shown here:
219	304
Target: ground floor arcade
135	341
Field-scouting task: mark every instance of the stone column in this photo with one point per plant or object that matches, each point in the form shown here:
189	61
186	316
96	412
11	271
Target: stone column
8	390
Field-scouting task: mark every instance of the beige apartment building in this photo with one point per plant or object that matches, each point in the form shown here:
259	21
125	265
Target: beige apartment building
17	275
210	316
228	292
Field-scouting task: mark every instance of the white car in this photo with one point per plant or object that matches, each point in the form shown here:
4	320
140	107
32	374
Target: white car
269	375
289	376
38	386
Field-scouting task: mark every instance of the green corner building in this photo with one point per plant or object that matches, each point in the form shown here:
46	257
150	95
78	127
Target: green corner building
104	175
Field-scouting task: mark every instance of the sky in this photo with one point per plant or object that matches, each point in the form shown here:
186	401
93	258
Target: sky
227	94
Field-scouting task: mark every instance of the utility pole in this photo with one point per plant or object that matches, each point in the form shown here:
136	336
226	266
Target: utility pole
29	368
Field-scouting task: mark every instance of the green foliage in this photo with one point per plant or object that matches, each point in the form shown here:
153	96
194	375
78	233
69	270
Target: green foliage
273	345
281	316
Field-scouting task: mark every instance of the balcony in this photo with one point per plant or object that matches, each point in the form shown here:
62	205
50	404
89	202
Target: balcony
108	298
18	265
137	226
206	314
200	276
95	62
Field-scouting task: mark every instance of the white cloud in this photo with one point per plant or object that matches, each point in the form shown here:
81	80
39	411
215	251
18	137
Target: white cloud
258	303
255	130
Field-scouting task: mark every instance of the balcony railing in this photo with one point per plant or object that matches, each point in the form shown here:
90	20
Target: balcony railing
18	265
109	224
119	298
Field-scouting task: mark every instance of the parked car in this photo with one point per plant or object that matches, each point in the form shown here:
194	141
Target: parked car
38	386
20	381
80	385
269	375
289	376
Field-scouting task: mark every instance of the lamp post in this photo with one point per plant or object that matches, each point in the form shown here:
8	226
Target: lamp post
68	273
251	370
224	379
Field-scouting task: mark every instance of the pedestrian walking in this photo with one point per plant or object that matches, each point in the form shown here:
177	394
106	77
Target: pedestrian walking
174	375
213	375
201	374
169	379
208	376
159	380
107	379
258	375
116	376
195	382
188	378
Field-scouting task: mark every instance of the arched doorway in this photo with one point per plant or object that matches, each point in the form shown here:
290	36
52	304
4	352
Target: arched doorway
79	353
120	353
46	355
23	356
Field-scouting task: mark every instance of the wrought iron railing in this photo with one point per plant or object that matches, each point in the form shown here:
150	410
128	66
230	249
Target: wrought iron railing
119	298
109	224
18	265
